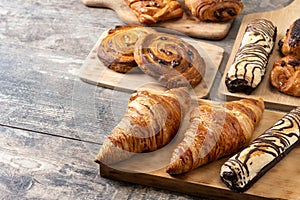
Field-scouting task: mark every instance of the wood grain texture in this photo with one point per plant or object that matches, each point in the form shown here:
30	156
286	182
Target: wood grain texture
187	24
149	169
281	18
95	72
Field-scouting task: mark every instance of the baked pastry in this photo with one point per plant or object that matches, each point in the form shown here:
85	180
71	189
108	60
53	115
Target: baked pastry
170	60
215	131
251	59
246	167
285	75
215	10
116	49
153	11
151	121
290	43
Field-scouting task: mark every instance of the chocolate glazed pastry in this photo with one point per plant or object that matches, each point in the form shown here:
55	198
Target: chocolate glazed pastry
215	131
285	75
215	10
151	121
153	11
290	43
116	49
249	65
170	60
246	167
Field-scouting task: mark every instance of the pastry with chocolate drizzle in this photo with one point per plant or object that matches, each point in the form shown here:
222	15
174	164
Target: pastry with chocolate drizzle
172	61
242	170
249	65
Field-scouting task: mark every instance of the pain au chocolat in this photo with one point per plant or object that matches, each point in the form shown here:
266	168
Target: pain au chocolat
215	131
249	65
215	10
242	170
151	121
116	49
169	59
290	43
153	11
285	75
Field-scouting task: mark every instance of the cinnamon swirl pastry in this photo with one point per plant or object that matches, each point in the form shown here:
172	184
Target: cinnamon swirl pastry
290	43
250	62
170	60
285	75
215	10
153	11
151	121
116	49
246	167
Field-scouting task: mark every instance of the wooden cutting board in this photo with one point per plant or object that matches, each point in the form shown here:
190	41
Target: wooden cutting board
281	182
93	71
187	24
282	18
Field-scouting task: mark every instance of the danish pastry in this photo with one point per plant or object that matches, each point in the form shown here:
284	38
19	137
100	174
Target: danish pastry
170	60
285	75
290	43
151	121
249	65
246	167
116	49
153	11
215	131
215	10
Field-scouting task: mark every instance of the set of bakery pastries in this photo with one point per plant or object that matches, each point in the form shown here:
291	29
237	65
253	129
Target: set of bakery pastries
153	11
153	118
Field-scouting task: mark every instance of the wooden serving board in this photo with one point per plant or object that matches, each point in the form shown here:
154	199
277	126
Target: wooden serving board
188	24
280	182
282	18
93	71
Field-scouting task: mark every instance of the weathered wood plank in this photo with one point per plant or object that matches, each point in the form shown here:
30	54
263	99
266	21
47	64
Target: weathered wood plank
35	166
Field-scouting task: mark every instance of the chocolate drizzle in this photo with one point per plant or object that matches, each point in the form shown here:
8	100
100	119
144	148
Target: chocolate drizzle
249	66
269	148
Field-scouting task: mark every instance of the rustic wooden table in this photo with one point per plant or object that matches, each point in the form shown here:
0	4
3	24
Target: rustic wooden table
51	123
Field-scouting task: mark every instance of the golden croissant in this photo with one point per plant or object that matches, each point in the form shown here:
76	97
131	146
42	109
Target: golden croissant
215	131
151	121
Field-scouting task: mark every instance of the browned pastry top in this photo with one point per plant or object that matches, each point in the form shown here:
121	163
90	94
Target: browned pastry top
285	75
215	10
290	43
170	60
153	11
116	49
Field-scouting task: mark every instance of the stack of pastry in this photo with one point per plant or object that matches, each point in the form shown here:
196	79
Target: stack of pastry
285	75
167	58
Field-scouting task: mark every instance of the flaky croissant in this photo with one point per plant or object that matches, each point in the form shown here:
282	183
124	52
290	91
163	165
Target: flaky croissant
215	10
215	131
151	121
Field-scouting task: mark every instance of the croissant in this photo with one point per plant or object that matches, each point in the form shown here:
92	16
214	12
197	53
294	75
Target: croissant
170	60
153	11
116	49
285	75
246	167
151	121
290	43
215	131
215	10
